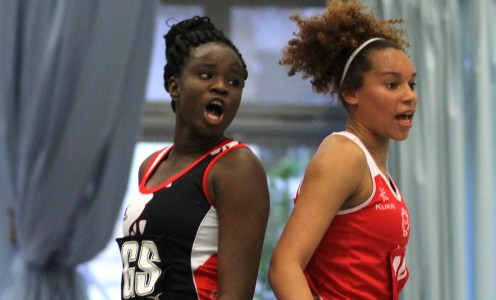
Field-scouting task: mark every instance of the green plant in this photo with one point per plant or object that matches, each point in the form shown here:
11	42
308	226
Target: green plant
283	175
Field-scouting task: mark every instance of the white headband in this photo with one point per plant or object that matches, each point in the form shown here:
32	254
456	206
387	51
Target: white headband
352	56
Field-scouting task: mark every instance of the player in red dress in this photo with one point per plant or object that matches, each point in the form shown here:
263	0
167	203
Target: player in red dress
347	235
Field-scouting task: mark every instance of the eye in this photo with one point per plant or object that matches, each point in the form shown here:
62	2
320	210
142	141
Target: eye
413	85
205	75
234	82
392	85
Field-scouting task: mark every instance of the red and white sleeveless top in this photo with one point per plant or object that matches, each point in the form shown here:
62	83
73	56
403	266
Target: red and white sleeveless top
362	254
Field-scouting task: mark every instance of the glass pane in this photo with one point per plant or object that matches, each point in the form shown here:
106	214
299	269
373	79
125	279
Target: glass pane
285	167
261	33
166	14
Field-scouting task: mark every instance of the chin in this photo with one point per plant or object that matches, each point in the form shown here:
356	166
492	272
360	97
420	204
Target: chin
400	138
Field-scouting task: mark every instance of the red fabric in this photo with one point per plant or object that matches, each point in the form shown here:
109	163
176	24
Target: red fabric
206	279
355	257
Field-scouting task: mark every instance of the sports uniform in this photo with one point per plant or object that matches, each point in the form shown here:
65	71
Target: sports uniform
362	254
169	248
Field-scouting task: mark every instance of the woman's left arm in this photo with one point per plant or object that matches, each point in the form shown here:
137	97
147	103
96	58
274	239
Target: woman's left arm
238	187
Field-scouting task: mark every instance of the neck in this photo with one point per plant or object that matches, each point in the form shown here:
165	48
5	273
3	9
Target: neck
195	146
377	146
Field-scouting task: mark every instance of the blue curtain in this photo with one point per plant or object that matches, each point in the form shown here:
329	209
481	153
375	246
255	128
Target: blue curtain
446	169
71	95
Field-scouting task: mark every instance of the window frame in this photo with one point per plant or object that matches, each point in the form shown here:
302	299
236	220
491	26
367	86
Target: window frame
257	124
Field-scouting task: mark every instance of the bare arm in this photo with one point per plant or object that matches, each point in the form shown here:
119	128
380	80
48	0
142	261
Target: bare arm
333	177
240	192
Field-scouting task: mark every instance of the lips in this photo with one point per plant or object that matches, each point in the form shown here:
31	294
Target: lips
405	118
215	109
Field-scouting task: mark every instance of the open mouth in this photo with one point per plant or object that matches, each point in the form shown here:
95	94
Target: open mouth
405	118
215	108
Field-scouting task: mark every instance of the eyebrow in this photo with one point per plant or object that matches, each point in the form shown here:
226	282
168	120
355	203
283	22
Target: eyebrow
205	65
397	74
236	70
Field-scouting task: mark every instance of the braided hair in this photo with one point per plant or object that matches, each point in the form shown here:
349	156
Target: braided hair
189	34
323	44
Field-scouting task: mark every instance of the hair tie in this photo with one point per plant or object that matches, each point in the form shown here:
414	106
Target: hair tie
355	53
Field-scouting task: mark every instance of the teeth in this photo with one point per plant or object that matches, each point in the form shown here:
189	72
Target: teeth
215	107
405	116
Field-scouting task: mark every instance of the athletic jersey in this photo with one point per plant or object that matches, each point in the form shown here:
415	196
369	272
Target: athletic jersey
169	248
362	254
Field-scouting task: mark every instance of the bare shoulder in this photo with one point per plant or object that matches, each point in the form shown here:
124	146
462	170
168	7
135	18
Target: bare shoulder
144	165
240	160
338	160
338	171
239	172
336	150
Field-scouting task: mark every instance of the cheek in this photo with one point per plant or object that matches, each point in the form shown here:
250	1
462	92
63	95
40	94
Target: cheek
236	103
380	109
385	101
190	95
235	97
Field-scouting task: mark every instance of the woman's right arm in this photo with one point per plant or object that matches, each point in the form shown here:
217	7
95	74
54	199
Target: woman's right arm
333	175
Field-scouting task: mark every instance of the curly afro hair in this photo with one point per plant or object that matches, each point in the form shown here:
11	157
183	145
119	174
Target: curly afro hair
323	43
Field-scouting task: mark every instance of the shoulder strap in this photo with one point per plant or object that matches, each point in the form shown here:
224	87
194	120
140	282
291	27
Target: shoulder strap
374	170
156	160
219	152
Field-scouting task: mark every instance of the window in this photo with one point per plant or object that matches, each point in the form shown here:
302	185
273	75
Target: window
166	16
260	33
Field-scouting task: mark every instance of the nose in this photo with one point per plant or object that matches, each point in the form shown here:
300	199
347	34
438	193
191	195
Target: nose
410	95
219	86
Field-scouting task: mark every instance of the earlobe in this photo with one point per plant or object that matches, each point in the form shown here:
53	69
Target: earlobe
349	97
173	87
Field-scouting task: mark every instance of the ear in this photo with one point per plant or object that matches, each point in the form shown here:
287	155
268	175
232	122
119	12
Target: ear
350	97
173	85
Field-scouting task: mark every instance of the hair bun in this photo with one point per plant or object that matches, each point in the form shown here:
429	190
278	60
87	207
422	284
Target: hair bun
196	23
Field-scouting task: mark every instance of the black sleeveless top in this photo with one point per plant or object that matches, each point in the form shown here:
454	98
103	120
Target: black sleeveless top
169	248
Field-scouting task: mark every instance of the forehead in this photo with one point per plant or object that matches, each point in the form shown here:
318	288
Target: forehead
214	53
391	60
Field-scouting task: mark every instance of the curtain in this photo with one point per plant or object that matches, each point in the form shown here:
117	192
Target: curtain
71	95
482	145
446	168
